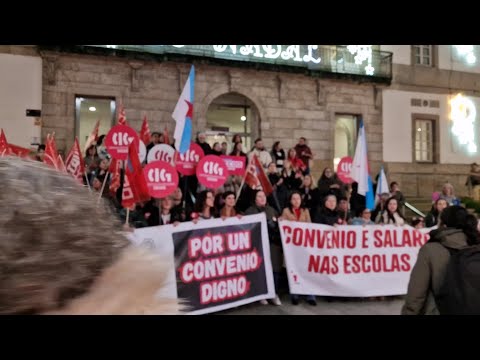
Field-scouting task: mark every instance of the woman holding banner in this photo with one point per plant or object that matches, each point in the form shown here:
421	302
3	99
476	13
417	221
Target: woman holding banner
159	212
204	207
390	215
228	209
296	212
327	213
273	237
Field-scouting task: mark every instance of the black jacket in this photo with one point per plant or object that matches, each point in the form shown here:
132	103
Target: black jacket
326	216
154	218
272	221
311	199
207	150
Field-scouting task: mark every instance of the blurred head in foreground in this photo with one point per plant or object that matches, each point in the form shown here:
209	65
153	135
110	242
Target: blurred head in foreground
61	253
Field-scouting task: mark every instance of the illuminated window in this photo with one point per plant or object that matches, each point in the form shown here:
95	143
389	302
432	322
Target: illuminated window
423	55
90	109
424	140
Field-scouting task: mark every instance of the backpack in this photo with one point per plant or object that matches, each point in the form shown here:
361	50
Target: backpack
460	290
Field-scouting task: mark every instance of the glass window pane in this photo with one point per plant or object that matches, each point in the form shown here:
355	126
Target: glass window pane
417	50
88	112
426	60
426	51
417	60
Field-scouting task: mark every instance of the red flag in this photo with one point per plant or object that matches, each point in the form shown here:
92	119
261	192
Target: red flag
74	163
93	137
10	149
61	165
4	148
128	196
51	153
144	133
122	118
255	176
135	182
166	139
114	169
19	151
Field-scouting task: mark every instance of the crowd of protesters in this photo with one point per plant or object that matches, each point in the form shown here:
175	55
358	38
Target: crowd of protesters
296	196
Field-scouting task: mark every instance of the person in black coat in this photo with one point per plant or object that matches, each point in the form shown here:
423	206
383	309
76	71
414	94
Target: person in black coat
278	155
161	216
310	195
357	201
329	183
279	189
201	141
327	213
291	179
276	253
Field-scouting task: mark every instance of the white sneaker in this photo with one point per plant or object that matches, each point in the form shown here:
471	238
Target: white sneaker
264	302
276	301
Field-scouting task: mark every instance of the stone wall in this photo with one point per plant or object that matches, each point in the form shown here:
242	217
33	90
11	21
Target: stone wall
290	106
422	180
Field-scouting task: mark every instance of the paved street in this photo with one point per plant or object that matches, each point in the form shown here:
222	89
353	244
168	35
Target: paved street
390	306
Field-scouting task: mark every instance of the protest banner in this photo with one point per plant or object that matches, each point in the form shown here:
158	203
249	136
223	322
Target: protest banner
161	152
344	169
186	163
216	264
161	178
118	140
212	172
356	261
235	164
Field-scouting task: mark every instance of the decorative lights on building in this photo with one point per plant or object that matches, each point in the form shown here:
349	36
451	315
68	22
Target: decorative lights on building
463	114
467	52
363	52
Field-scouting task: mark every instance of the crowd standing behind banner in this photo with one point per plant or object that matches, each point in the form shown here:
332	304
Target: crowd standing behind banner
295	195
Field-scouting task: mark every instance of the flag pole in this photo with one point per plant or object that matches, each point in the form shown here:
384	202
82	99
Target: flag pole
128	215
185	193
241	187
88	182
103	187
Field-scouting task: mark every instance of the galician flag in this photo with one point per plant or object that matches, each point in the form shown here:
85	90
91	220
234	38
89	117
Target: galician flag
382	186
360	169
183	114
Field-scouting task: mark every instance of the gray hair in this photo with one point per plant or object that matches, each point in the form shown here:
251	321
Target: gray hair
54	238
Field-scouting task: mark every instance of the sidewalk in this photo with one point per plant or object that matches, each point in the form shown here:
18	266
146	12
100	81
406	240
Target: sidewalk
390	306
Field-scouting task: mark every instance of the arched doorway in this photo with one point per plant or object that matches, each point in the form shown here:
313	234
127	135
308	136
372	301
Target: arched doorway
231	114
346	129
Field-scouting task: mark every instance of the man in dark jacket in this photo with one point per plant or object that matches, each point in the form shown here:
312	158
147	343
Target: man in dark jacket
201	141
457	230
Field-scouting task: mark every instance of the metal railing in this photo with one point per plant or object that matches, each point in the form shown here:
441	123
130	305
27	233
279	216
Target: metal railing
414	209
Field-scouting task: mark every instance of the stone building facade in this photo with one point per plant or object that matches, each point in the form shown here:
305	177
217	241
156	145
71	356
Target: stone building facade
422	89
288	105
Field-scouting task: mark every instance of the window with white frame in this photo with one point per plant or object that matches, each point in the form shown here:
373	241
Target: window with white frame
424	137
423	55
